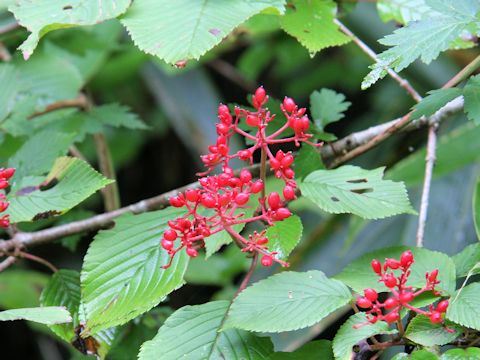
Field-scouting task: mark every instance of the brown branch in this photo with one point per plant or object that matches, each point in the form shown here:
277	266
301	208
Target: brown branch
367	50
110	192
9	27
9	261
37	259
248	276
80	101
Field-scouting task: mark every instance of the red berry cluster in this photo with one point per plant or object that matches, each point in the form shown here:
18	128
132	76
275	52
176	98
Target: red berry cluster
5	174
402	294
217	205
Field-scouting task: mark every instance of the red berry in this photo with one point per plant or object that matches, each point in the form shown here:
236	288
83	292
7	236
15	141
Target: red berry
7	173
191	252
288	192
242	198
256	187
274	164
372	320
5	221
191	195
282	214
289	173
244	155
224	199
245	176
3	205
442	306
176	201
436	317
390	303
222	129
432	277
208	201
289	104
392	264
260	95
301	125
364	303
390	281
170	234
406	297
274	200
287	160
167	244
228	171
253	120
371	294
224	114
267	260
301	111
391	317
279	155
406	259
376	266
3	184
262	241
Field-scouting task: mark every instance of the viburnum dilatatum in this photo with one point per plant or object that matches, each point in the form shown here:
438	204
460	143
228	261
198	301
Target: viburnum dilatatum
5	175
216	206
402	295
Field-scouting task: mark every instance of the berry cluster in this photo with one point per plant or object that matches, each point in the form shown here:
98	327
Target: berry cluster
217	205
402	294
5	175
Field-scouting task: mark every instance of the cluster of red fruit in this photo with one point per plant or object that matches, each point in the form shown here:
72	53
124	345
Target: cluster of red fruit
5	175
217	205
402	294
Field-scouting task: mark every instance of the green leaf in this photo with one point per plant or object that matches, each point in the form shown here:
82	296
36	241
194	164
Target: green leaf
424	39
461	354
21	288
43	16
402	11
464	307
458	148
186	29
347	336
308	160
467	259
44	315
435	100
327	106
70	181
422	331
476	207
122	275
193	332
8	90
312	24
350	189
471	95
287	301
359	274
63	289
284	235
313	350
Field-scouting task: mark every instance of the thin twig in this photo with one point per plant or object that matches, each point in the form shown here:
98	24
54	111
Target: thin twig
74	151
367	50
464	73
37	259
231	73
430	163
80	101
248	276
110	193
9	27
9	261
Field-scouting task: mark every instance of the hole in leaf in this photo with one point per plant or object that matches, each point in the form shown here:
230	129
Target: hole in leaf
362	191
335	199
68	7
46	215
357	181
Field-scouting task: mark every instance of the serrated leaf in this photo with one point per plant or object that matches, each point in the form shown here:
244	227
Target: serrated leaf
63	289
308	160
435	100
70	181
284	235
312	24
44	315
287	301
455	150
476	207
402	11
424	39
327	106
347	336
350	189
193	332
471	353
359	274
43	16
185	29
422	331
467	259
464	307
122	275
471	94
313	350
